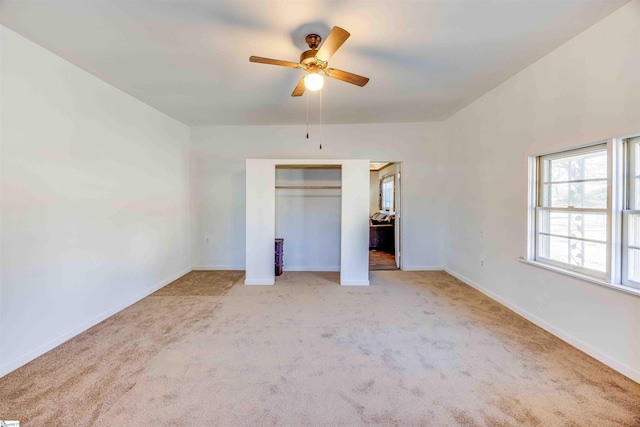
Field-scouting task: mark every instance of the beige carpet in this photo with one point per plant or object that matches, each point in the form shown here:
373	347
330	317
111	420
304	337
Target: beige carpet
415	348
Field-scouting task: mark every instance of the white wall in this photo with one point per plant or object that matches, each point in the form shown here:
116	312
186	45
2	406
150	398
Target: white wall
585	91
354	223
309	219
94	208
218	181
260	217
374	192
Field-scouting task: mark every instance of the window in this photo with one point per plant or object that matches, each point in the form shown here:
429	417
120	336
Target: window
631	217
584	215
571	214
387	193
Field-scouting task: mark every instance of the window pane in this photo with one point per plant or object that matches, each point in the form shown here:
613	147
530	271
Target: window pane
592	194
633	225
636	148
574	252
582	225
387	194
573	238
634	229
634	266
634	173
582	166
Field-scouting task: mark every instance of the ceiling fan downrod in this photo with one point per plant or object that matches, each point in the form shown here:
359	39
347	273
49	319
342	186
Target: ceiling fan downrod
313	40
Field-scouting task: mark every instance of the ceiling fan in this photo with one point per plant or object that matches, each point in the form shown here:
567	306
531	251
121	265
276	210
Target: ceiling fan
314	61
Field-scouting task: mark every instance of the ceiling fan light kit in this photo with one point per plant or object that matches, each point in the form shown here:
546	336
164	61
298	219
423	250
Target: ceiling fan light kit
314	61
313	81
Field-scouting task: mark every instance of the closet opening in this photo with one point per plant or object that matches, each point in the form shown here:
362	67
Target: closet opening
308	216
385	219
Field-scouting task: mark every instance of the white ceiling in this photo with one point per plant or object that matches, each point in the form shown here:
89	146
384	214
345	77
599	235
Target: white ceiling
190	59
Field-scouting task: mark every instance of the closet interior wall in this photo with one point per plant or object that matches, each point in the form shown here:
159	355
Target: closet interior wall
308	216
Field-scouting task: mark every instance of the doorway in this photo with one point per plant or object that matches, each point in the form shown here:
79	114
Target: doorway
385	216
261	219
308	216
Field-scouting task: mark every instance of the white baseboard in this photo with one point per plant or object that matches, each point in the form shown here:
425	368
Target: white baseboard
354	282
218	267
51	344
580	345
311	268
260	282
422	267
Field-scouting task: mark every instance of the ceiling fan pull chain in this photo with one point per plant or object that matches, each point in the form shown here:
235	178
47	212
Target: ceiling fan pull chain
321	120
307	115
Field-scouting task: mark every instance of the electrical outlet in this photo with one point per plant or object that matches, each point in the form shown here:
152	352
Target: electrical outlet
207	240
481	263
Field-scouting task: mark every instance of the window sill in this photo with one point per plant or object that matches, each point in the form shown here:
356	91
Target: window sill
620	288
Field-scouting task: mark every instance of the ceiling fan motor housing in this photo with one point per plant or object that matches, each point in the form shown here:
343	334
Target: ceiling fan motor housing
309	60
308	57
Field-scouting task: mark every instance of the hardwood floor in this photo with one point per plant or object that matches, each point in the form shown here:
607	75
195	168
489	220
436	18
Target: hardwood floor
381	261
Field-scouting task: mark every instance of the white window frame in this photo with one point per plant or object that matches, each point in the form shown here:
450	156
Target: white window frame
540	208
631	205
388	178
613	209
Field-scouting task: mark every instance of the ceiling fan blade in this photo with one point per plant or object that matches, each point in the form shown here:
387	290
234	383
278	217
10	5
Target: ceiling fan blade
299	90
334	40
270	61
346	77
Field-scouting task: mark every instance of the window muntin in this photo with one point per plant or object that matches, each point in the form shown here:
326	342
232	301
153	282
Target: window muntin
577	180
571	212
